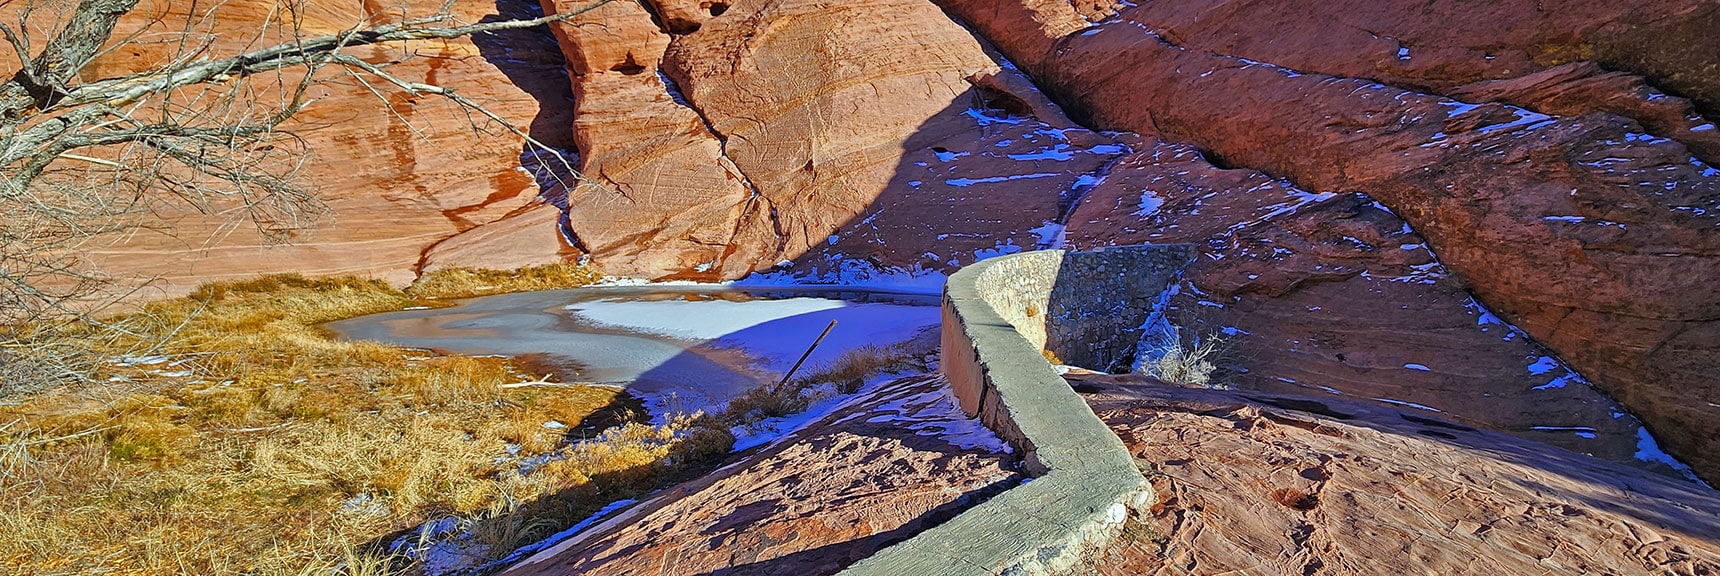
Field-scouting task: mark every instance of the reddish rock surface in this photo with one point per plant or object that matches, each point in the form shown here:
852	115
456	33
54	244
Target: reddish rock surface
1334	294
396	182
1596	238
874	472
803	134
1257	483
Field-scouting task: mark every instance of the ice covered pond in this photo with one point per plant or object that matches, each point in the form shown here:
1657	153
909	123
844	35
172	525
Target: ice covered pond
677	348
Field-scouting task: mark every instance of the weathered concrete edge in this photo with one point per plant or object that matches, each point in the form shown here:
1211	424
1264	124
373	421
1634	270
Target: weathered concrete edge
1085	480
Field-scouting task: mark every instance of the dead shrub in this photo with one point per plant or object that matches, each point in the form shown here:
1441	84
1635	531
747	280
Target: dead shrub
1174	360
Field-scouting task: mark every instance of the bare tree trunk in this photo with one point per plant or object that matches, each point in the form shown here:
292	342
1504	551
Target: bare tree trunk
38	83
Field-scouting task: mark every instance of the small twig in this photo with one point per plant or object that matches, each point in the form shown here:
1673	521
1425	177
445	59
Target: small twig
546	384
67	437
258	429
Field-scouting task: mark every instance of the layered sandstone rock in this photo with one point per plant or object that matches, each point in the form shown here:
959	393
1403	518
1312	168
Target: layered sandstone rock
1268	484
1334	294
614	37
398	174
1595	237
809	136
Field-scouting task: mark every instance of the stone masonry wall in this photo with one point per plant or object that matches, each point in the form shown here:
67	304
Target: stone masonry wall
1084	479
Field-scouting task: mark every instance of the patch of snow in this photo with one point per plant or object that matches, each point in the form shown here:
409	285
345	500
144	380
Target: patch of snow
702	320
965	182
1059	152
1150	204
772	430
1050	235
129	360
1647	450
936	413
986	119
1563	380
1409	404
673	90
1543	365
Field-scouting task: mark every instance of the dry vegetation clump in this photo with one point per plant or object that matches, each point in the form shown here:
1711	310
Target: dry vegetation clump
463	282
227	433
1181	361
844	375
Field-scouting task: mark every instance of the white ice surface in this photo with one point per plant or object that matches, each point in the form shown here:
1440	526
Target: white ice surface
775	332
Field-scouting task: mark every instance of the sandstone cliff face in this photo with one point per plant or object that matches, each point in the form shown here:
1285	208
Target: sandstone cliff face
411	185
771	132
1589	223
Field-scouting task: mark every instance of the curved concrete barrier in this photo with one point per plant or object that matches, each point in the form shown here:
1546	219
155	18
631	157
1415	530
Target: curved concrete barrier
998	316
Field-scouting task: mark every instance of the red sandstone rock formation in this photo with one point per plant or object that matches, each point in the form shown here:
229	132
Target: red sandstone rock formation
876	131
1266	484
1594	236
1334	294
402	176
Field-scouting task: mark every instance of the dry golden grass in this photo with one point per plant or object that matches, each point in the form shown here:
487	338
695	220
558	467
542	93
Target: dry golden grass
462	282
262	446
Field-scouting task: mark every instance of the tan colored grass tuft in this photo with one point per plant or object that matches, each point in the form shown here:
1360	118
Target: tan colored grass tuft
463	282
1185	364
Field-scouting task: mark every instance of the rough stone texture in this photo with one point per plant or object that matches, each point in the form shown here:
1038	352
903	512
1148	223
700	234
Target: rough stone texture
1595	238
665	199
615	37
531	235
1444	43
397	182
1581	88
685	16
1272	484
1103	297
870	474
